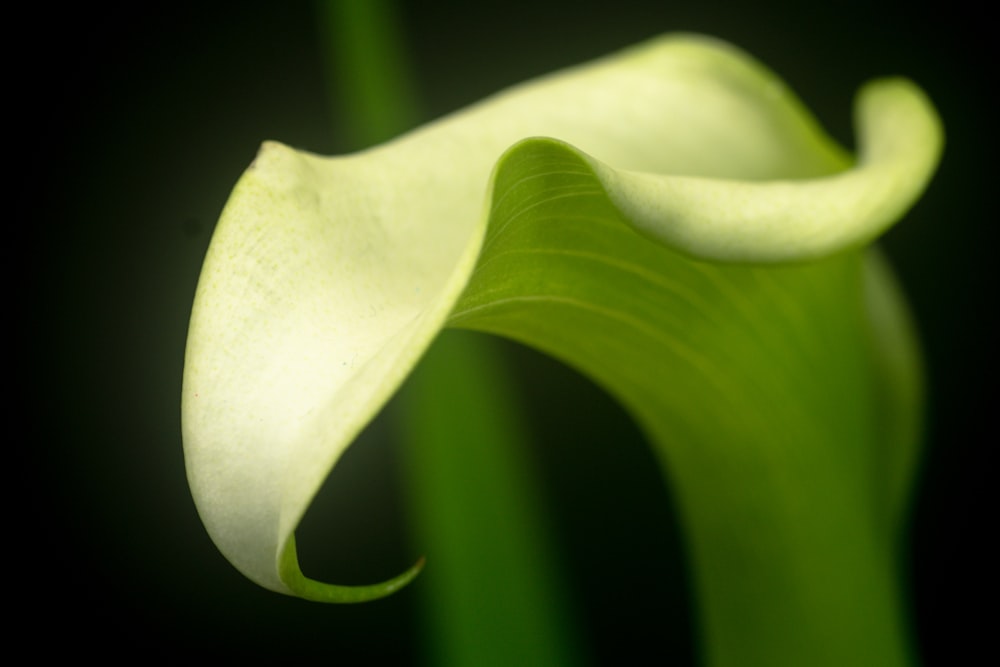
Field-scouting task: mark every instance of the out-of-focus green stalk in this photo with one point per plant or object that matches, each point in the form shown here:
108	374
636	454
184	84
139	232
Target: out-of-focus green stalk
495	594
490	586
367	75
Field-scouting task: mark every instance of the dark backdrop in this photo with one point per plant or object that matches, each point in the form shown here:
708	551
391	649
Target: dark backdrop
130	127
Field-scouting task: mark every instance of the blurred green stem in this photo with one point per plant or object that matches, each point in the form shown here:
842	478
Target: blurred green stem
495	595
367	77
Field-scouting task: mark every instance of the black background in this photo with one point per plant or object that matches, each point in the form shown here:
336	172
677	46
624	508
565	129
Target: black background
129	128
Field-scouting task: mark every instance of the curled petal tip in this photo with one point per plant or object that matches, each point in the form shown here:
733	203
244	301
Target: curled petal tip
317	591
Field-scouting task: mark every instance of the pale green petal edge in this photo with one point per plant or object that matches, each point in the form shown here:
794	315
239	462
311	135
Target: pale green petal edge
900	139
300	333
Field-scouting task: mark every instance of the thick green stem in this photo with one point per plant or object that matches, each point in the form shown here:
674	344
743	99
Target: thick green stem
795	556
794	577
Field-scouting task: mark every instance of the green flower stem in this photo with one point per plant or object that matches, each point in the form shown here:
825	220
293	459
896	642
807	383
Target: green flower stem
366	69
494	595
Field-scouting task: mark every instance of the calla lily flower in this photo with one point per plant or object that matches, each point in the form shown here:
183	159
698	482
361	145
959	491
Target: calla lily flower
669	220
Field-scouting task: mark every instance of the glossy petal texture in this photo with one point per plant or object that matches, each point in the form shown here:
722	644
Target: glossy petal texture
328	277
